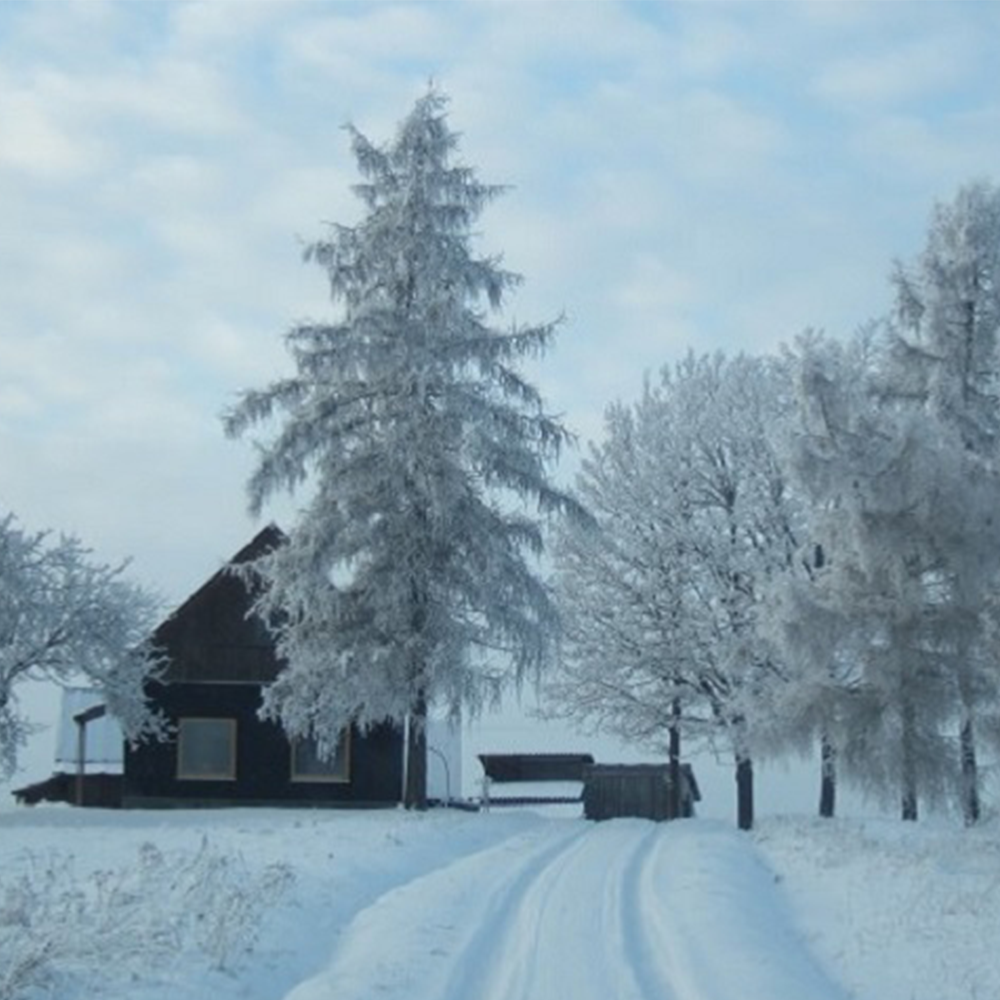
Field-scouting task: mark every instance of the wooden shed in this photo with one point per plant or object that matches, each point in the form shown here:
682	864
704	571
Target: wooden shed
219	656
533	778
643	790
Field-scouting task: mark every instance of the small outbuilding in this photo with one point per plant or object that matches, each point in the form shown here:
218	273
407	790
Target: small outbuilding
642	790
89	752
533	778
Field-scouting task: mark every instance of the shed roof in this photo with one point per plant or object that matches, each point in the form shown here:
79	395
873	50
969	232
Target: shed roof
535	766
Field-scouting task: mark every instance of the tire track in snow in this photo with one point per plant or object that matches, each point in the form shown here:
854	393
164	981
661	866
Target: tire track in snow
643	896
725	931
622	910
411	939
572	928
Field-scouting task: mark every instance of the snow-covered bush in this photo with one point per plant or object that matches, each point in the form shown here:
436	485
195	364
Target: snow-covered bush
59	927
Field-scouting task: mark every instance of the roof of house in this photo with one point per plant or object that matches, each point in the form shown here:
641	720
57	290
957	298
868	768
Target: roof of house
211	636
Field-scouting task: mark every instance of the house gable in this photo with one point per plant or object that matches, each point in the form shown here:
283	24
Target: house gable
212	637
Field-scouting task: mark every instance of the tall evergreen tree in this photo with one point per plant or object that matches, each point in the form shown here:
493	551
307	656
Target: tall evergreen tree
409	576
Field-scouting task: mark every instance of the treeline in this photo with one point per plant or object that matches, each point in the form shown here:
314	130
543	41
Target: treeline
801	552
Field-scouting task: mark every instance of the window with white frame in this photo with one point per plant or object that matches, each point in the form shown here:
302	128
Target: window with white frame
309	765
206	749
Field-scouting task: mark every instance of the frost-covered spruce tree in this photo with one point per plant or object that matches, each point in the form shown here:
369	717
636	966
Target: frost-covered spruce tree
63	616
408	580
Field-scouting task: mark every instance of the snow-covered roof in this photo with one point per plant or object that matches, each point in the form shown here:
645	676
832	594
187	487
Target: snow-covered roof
105	743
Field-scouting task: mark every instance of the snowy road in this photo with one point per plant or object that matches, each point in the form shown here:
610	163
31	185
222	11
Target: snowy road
626	910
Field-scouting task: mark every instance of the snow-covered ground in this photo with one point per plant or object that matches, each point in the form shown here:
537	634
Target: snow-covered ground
510	904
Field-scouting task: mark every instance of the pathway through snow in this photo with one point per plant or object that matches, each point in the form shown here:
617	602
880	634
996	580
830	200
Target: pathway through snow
624	910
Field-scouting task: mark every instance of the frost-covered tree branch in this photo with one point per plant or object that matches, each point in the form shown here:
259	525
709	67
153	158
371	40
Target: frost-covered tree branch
62	617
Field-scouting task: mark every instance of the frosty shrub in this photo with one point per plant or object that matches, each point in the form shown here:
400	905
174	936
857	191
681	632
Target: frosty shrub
59	929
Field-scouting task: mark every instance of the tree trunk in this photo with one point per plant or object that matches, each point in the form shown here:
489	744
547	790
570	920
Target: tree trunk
970	774
909	764
828	778
744	793
676	799
415	793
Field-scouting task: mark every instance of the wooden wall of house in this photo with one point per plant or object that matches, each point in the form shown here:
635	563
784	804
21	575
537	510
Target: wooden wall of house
263	758
211	637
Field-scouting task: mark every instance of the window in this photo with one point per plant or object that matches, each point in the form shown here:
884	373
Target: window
307	765
206	749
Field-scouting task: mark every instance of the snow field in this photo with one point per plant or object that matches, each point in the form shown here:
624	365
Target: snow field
723	923
513	905
901	911
339	863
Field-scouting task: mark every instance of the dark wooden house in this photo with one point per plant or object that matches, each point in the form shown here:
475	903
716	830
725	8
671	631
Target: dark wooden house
219	656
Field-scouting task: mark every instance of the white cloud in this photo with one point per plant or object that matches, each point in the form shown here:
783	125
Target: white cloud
36	138
211	24
891	73
654	286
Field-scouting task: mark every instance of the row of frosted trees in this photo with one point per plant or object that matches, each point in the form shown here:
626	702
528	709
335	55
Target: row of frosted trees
802	551
763	553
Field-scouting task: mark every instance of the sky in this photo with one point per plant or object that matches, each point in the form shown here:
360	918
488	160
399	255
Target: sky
692	176
682	176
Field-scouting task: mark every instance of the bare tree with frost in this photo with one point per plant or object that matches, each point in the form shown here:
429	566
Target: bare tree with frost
63	616
660	605
625	668
409	577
